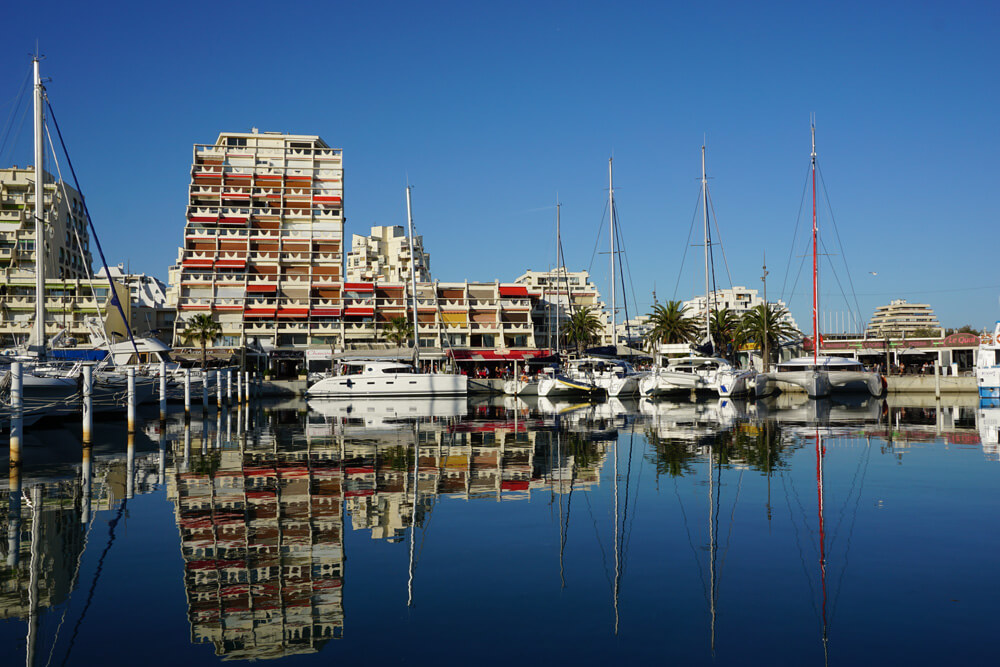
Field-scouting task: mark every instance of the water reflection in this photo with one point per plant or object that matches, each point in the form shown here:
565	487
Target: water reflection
262	498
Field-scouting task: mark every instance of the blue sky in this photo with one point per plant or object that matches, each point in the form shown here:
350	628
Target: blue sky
492	110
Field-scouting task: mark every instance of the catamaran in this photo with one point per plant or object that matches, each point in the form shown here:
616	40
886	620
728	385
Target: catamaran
822	375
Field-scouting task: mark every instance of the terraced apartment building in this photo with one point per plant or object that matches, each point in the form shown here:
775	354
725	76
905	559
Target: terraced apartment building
263	240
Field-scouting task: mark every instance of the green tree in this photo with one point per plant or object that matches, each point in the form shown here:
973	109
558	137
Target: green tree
583	328
202	328
670	324
766	321
398	330
725	326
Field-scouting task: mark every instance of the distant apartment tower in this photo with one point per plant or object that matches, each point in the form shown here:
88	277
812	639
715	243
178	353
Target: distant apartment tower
263	239
149	314
384	255
900	318
67	248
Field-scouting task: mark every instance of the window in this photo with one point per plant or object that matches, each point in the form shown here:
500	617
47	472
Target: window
236	141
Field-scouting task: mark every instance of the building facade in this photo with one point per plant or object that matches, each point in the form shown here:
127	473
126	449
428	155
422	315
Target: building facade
900	318
384	255
67	248
558	294
263	240
739	300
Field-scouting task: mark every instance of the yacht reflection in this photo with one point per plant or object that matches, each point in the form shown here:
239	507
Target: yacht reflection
391	414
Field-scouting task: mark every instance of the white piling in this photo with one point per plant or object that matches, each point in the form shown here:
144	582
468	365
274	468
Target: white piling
937	379
229	386
130	374
187	393
163	391
246	386
88	402
130	466
239	387
205	374
219	381
16	411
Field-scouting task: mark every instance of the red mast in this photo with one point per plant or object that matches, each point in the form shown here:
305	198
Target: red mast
815	264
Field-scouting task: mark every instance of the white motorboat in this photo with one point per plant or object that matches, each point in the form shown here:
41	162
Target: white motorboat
819	376
387	378
988	364
614	376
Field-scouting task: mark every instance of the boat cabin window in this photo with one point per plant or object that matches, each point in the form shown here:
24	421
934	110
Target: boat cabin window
351	369
398	370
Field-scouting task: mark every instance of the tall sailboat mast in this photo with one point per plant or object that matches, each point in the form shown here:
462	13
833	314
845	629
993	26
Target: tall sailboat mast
611	217
704	194
413	282
559	270
38	334
815	263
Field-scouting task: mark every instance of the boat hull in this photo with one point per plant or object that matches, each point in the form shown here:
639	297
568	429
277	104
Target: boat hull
391	384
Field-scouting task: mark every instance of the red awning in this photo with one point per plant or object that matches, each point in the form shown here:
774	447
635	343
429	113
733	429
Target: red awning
493	355
359	287
511	485
293	312
231	263
359	311
198	263
259	312
262	287
513	290
203	218
325	312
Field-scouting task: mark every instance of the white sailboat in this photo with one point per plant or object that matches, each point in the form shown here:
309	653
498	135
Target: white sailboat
368	378
697	373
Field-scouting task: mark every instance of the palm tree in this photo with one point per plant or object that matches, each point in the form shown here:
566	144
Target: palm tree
202	328
766	321
398	330
724	325
671	324
583	327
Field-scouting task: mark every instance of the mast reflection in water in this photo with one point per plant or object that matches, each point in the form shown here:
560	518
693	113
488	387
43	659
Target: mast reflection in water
578	528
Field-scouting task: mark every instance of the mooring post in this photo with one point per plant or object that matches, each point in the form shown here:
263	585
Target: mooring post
187	394
130	374
163	391
16	410
88	402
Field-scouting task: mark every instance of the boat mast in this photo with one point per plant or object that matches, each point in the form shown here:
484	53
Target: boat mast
704	194
559	270
413	282
38	334
815	264
611	217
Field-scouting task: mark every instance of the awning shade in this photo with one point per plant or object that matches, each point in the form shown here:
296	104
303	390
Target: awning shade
493	355
293	312
259	312
359	287
358	311
262	287
513	290
325	312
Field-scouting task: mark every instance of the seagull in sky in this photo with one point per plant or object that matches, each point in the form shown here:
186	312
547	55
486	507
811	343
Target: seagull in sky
874	273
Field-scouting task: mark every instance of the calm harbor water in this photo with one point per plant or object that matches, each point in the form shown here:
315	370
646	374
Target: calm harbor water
783	533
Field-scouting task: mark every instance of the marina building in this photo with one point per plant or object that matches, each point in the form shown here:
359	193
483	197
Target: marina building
150	313
900	318
263	240
384	255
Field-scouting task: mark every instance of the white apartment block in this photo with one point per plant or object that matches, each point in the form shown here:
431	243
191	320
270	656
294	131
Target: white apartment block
67	246
739	300
384	255
900	318
150	313
560	293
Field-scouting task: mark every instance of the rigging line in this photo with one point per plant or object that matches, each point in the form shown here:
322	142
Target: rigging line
836	231
20	128
638	485
628	481
621	272
798	544
16	104
97	575
795	230
850	533
694	550
687	244
732	521
597	242
597	534
836	279
722	247
114	293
